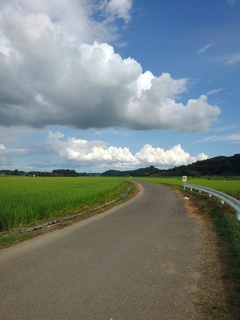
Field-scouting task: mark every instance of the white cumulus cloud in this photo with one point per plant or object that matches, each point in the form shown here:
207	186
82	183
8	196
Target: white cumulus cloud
175	156
100	154
89	152
58	69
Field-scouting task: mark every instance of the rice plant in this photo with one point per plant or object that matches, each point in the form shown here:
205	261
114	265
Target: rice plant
24	200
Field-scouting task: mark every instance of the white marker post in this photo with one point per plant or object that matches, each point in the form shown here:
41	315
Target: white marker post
184	179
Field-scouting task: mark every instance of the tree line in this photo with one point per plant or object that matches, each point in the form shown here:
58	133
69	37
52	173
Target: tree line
218	166
53	173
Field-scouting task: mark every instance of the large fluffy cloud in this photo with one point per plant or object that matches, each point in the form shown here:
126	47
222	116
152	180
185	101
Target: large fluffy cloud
53	73
175	156
89	152
100	154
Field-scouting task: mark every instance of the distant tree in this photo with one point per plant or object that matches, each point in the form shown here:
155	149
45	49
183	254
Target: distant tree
65	173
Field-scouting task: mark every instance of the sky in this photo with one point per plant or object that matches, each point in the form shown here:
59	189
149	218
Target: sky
93	85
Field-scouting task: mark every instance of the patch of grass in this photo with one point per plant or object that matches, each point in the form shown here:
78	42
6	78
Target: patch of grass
228	229
8	239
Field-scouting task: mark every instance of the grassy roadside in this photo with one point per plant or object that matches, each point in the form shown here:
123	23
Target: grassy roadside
223	221
228	230
14	236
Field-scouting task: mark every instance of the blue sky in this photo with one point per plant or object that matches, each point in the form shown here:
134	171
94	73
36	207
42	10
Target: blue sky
118	84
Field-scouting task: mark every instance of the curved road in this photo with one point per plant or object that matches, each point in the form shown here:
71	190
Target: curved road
134	262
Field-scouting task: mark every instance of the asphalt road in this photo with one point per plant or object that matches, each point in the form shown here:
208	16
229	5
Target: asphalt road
134	262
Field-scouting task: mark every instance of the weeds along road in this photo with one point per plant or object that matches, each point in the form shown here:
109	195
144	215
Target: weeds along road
134	262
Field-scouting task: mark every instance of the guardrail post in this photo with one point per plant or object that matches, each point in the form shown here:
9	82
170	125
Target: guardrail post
238	215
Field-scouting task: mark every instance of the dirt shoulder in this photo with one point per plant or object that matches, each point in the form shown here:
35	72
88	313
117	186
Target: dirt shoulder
212	294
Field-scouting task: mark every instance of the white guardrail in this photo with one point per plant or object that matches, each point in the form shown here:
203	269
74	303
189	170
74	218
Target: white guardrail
233	202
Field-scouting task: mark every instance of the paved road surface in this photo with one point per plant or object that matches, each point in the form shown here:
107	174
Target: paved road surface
135	262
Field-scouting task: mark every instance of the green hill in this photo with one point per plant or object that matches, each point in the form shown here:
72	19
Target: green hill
218	166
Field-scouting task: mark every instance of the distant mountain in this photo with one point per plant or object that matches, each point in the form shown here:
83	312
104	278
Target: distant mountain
219	166
149	171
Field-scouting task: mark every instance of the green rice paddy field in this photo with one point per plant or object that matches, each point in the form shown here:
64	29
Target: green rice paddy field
26	200
228	186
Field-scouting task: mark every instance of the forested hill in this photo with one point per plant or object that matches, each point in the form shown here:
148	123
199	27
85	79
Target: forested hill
219	166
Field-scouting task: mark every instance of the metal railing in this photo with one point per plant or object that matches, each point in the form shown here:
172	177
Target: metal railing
233	202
